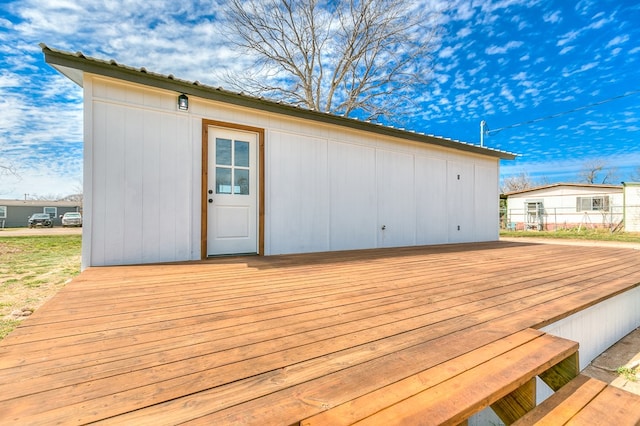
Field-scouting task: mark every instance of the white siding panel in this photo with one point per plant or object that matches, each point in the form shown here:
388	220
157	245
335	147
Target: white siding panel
486	201
142	180
87	174
461	201
298	194
353	196
114	182
169	186
632	207
597	328
194	208
99	171
151	224
600	326
133	188
183	200
396	201
431	191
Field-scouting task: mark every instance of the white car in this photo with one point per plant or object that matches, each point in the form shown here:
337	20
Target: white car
71	219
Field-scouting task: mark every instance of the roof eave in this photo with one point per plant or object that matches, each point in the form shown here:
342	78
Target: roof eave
67	64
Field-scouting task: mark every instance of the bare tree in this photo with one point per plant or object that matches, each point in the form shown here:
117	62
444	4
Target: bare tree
77	198
597	172
515	183
7	169
45	197
635	175
343	57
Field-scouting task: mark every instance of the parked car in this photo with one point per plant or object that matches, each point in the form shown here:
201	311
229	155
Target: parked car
71	219
40	219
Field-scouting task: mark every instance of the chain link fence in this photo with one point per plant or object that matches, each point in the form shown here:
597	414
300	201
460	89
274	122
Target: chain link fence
537	217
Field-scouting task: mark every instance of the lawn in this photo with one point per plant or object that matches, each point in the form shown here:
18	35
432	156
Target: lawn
575	234
32	270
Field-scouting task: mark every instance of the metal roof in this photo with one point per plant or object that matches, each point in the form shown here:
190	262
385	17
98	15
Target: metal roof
573	185
74	65
40	203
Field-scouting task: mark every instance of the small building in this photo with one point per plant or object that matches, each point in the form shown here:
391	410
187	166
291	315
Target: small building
176	170
565	206
15	213
631	206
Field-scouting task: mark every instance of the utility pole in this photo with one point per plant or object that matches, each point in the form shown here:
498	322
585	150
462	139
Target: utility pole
482	124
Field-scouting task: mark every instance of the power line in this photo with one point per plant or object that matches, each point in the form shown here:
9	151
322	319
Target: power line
560	114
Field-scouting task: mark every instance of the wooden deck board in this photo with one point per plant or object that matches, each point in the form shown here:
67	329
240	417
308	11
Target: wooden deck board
228	338
585	401
459	393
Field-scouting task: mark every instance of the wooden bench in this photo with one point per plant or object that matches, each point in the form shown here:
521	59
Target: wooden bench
501	374
586	401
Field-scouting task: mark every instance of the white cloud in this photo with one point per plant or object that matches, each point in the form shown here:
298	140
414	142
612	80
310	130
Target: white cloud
566	50
464	32
521	76
498	50
447	52
621	39
11	79
552	17
482	65
566	72
505	92
568	38
459	82
599	21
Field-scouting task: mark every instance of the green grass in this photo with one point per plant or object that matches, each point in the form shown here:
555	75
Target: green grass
32	270
630	374
575	234
7	326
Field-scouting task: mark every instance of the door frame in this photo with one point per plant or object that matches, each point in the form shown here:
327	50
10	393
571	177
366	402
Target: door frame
204	184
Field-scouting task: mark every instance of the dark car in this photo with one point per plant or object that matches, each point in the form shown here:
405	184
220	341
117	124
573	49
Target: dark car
40	219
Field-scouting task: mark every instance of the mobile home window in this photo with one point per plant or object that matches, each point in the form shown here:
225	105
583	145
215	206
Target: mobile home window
51	211
600	203
3	212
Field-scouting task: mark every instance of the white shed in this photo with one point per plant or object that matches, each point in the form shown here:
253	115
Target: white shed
225	173
631	206
565	205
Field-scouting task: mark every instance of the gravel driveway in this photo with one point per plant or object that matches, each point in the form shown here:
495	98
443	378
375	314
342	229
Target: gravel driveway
22	232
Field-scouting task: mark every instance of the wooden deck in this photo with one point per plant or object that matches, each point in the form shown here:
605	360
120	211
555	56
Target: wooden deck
277	340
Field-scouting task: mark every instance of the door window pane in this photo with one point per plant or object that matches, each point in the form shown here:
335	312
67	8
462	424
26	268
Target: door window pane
223	152
241	154
241	182
223	180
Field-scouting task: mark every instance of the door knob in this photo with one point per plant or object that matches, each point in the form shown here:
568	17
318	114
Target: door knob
211	191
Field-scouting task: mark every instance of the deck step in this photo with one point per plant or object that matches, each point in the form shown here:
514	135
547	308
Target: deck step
586	401
481	378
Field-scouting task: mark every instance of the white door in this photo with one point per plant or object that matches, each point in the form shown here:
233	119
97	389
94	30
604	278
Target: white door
232	193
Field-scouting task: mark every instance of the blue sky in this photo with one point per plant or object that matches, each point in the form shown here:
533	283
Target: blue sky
507	62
